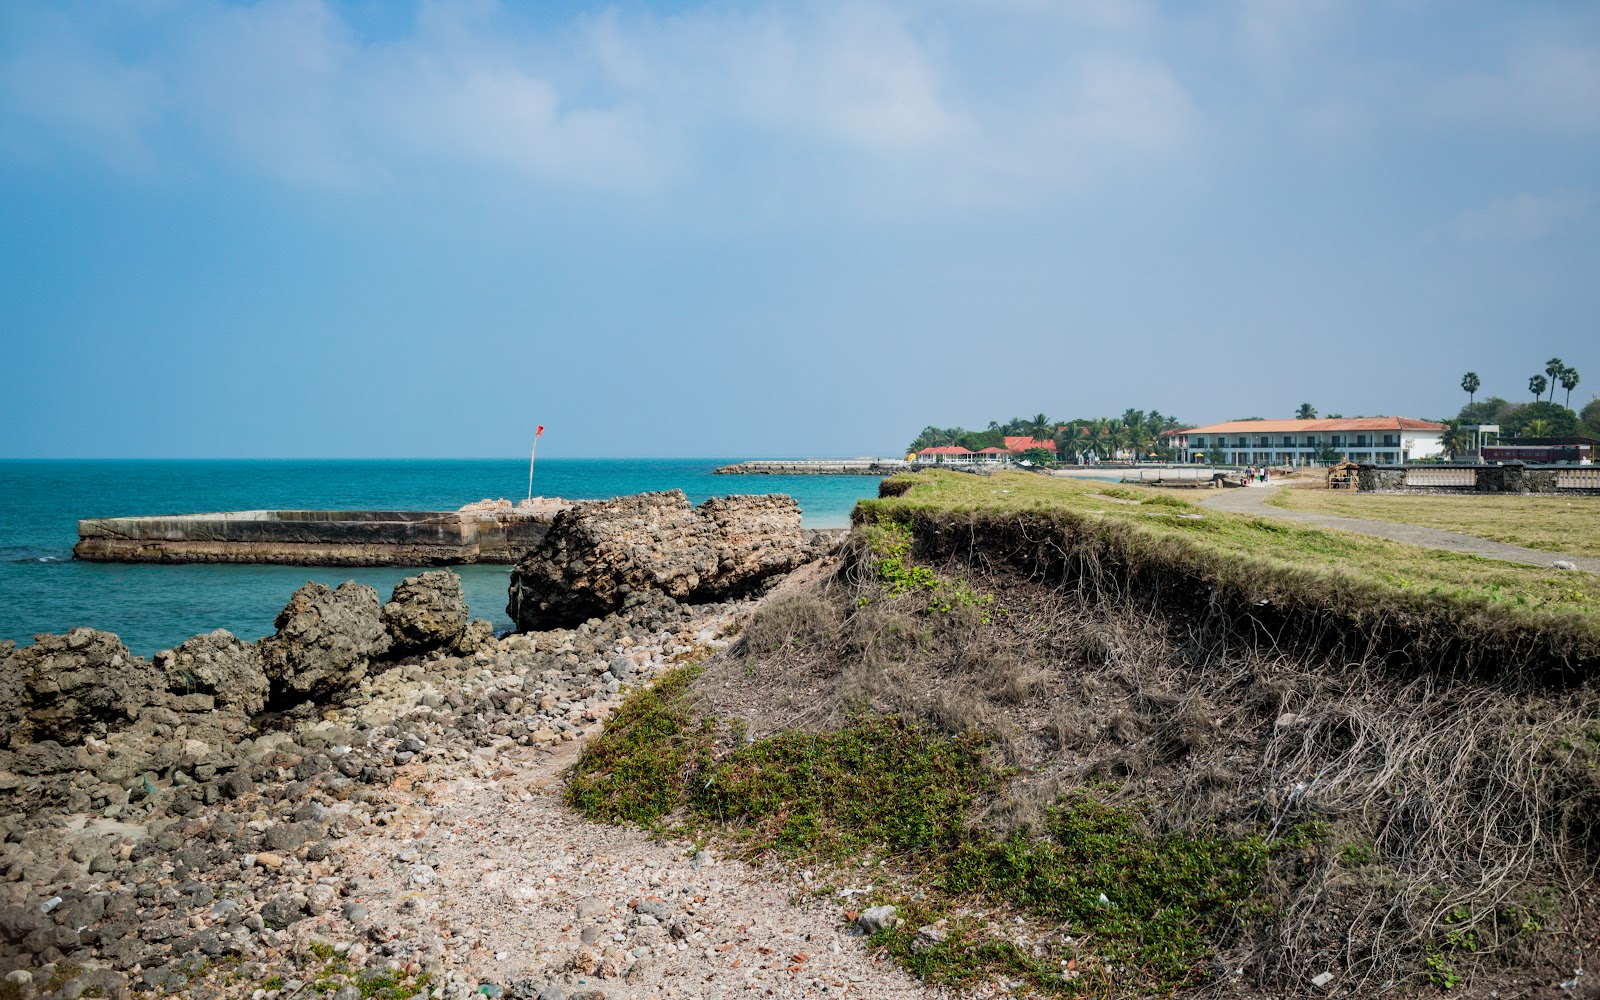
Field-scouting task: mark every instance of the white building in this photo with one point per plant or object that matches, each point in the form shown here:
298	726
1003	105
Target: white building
1383	440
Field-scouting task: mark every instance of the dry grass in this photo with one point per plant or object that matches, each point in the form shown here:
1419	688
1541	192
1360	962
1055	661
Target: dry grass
1462	815
1550	524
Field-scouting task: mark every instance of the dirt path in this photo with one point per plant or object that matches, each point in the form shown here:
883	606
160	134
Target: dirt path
1253	500
508	887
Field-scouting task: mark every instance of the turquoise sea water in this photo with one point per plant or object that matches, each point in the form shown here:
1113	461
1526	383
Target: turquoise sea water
43	589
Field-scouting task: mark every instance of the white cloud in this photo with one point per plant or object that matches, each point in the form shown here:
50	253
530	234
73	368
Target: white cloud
1550	87
1522	216
949	99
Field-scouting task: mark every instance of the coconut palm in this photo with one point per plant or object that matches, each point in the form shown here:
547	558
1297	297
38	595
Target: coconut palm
1537	385
1040	428
1569	382
1099	435
1469	384
1306	412
1537	428
1141	439
1456	439
1553	368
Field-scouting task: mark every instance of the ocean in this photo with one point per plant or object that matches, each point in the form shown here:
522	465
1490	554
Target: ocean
153	607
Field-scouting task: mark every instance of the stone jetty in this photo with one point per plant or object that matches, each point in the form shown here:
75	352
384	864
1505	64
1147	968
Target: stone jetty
490	531
816	467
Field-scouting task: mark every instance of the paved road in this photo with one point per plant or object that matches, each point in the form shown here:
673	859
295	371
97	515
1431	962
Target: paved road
1253	500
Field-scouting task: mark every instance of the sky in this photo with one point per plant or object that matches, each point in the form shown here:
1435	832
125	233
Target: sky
310	228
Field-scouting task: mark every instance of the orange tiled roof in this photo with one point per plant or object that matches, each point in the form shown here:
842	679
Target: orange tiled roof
1297	426
1026	443
945	449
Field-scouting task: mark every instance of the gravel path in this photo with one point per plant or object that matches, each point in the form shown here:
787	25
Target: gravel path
1253	500
508	888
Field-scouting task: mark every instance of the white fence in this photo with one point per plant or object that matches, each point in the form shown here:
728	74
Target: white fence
1442	477
1578	479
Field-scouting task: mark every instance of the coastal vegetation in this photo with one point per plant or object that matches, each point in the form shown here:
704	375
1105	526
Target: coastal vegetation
1136	434
1543	417
1097	741
1546	523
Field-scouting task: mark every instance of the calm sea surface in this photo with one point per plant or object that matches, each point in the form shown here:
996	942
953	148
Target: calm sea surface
43	589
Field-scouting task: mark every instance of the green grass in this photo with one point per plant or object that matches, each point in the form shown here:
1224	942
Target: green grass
886	789
881	783
1258	561
637	769
1568	525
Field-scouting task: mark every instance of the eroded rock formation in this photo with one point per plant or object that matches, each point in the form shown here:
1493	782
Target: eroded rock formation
425	612
67	688
218	664
325	640
601	554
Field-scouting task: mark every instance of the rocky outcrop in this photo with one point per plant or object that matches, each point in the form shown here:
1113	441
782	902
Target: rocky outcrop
601	555
753	537
217	664
68	688
325	641
426	612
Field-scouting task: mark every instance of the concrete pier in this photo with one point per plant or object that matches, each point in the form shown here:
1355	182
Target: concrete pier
817	467
477	534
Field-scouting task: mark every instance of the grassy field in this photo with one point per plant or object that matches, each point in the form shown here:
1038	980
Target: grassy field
1271	560
1549	524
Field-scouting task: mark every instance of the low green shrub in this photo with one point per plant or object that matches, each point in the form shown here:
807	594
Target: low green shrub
637	770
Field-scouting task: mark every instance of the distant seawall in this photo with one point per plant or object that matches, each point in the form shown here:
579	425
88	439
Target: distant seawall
817	467
317	537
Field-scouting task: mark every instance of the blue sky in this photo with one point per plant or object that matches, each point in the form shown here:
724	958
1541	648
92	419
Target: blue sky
310	228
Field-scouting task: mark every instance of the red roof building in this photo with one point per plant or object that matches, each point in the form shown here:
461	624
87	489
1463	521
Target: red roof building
1384	440
1022	444
944	453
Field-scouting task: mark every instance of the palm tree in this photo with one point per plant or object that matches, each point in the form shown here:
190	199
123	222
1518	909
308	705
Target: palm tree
1141	440
1306	412
1098	430
1064	444
1456	439
1537	428
1537	385
1119	437
1569	382
1040	428
1553	368
1470	383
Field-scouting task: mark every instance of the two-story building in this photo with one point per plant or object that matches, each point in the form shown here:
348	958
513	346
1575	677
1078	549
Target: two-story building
1383	440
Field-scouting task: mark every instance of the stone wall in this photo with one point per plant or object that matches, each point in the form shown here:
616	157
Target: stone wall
1510	478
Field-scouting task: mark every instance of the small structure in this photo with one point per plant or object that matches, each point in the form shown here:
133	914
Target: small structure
1572	450
944	454
1343	476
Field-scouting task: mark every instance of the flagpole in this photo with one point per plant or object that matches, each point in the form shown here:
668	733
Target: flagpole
531	452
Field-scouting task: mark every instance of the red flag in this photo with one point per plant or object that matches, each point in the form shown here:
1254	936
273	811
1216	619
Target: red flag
539	431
